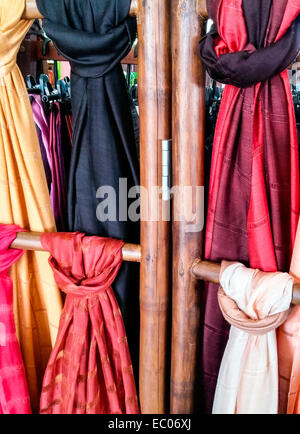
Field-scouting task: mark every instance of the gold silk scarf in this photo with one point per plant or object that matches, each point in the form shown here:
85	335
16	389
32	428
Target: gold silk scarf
25	202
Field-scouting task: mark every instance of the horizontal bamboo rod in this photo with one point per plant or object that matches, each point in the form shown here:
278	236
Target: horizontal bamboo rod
210	272
32	241
31	11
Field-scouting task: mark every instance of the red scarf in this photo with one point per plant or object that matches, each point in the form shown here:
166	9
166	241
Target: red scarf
89	370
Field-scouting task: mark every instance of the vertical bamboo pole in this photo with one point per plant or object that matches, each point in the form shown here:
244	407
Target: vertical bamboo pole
188	170
154	71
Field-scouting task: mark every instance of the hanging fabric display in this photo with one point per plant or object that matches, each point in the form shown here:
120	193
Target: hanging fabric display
52	127
25	201
89	370
94	36
14	395
254	189
255	303
59	183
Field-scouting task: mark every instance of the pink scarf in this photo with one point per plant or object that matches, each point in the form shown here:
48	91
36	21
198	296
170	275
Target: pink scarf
14	396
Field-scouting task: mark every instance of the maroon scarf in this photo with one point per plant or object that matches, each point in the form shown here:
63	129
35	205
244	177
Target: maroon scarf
254	189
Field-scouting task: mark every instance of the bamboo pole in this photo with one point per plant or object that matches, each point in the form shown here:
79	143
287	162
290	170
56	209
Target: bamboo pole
31	11
32	241
154	71
188	170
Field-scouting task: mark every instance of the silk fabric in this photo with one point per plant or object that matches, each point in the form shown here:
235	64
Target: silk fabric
254	189
94	36
25	201
59	184
254	59
255	304
14	394
56	153
89	370
42	124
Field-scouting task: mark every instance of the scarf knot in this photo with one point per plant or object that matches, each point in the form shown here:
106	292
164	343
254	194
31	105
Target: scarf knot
83	266
104	27
252	63
90	368
252	300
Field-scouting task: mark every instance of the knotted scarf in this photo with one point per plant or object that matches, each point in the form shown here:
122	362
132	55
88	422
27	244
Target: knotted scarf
255	304
254	187
89	370
14	395
95	36
259	56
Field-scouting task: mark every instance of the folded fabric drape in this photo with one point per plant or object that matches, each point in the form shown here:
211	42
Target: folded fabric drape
94	36
253	64
14	395
55	145
59	183
44	157
89	370
255	304
254	188
25	201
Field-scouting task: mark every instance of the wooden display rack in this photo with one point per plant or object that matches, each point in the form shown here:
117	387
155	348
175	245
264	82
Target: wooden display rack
172	105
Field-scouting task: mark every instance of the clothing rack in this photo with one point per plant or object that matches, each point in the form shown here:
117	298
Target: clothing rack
188	23
155	61
154	69
163	116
